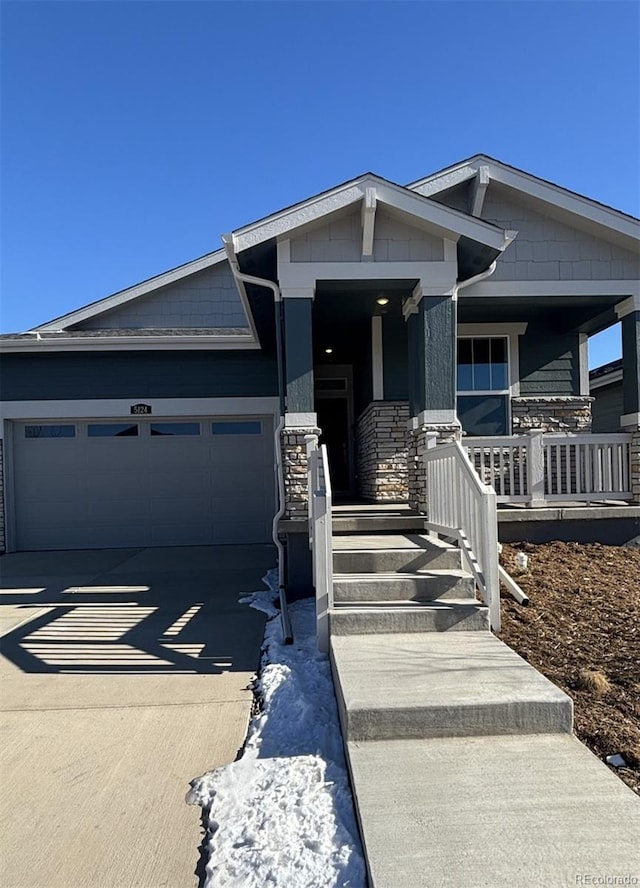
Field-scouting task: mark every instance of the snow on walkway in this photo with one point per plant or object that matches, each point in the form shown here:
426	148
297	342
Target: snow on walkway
282	815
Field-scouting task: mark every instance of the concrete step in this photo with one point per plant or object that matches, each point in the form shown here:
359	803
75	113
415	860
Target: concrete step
424	586
377	523
501	811
384	617
440	684
373	553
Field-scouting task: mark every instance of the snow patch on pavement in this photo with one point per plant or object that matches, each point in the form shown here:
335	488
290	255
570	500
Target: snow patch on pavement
282	815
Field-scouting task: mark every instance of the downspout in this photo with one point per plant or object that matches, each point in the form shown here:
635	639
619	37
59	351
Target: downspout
241	277
475	279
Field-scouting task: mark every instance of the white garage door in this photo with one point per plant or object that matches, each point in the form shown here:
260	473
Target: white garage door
143	482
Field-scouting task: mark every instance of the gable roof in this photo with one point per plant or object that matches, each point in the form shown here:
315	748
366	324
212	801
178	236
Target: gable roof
448	222
625	227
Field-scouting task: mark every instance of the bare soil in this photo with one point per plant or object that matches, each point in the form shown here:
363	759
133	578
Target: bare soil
582	630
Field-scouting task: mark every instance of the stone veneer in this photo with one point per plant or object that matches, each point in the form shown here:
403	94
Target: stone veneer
381	451
552	413
446	434
294	463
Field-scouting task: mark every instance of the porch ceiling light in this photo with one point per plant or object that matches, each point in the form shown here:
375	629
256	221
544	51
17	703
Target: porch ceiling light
328	351
382	300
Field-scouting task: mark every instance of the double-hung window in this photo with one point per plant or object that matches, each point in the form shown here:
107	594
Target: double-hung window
483	385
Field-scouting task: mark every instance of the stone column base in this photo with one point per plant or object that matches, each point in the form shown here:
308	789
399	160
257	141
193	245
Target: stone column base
294	465
381	438
418	433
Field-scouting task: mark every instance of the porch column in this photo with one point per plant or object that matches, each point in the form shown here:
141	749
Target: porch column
629	314
431	319
300	418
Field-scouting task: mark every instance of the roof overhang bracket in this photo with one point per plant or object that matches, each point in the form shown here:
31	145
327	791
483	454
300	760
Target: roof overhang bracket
480	185
369	203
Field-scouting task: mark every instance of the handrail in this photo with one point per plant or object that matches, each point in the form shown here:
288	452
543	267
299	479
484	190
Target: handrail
462	507
320	536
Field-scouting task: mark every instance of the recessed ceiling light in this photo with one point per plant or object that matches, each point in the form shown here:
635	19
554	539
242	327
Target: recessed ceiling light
382	300
329	351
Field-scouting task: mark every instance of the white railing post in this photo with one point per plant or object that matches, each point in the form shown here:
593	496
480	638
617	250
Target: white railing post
535	468
490	556
311	445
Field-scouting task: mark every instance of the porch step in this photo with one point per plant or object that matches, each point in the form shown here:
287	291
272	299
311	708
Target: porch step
377	523
373	553
404	617
440	684
410	587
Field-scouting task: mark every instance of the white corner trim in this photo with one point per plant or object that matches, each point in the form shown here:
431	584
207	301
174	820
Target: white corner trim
124	296
301	420
368	222
450	250
628	306
492	329
583	361
630	420
481	183
116	408
377	359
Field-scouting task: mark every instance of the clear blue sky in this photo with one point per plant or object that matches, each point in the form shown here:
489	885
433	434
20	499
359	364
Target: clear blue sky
135	133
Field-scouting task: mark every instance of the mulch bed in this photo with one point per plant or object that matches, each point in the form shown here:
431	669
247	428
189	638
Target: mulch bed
582	630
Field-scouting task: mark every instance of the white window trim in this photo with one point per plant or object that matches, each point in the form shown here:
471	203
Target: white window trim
495	331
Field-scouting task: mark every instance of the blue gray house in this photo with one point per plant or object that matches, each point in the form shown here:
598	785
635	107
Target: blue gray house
375	312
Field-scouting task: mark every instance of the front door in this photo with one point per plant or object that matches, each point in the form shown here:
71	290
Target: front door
334	406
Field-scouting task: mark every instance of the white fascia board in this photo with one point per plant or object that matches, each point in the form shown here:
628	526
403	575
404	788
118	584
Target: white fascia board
129	343
124	296
620	223
114	408
446	221
299	277
515	289
280	224
607	379
445	180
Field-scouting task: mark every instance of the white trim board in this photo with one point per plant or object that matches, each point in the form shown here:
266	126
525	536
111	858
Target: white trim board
516	289
377	358
129	343
120	408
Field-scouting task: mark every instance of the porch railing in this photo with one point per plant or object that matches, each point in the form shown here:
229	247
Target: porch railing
460	506
320	530
541	468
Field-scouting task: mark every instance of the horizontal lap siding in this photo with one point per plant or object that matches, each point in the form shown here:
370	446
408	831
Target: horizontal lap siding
183	374
549	362
607	408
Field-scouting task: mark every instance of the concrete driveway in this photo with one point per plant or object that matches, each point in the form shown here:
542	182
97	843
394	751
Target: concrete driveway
124	675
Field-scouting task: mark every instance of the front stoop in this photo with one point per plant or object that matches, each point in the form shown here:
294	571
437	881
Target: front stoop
452	734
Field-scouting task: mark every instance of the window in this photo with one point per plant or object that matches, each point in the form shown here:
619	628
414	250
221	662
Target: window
236	427
112	430
50	431
483	385
175	428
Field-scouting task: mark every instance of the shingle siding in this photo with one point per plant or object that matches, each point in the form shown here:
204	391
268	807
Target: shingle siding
181	374
546	249
341	241
208	298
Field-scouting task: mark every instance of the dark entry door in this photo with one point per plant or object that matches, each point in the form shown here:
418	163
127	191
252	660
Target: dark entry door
333	394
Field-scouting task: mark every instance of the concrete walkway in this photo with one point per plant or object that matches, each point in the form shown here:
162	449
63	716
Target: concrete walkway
124	675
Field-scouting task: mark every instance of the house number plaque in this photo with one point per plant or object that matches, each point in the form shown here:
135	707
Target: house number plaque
141	409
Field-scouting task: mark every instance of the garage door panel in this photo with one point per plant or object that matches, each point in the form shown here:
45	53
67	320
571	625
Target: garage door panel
174	488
